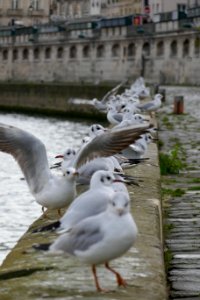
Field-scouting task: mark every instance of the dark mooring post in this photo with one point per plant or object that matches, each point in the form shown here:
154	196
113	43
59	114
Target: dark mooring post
142	65
163	93
178	105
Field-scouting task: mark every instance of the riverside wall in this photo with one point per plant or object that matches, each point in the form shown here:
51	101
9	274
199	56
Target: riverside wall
111	55
52	99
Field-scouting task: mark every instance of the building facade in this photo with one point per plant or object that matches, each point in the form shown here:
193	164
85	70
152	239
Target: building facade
24	12
109	54
112	8
164	6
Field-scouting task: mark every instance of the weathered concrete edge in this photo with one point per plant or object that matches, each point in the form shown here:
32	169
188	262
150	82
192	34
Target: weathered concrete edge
52	99
147	206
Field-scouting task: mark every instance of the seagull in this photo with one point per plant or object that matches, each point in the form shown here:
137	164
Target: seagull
153	105
109	163
130	119
113	116
101	238
138	149
67	157
89	203
96	129
49	190
102	104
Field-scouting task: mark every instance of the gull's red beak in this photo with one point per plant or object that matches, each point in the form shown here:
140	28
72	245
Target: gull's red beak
118	180
59	156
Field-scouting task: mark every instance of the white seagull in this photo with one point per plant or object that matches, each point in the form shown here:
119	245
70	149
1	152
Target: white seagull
101	238
89	203
153	105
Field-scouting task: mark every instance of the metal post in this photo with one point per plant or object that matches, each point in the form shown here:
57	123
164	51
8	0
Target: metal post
142	65
178	105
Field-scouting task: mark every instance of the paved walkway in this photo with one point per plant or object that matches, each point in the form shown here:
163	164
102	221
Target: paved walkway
182	212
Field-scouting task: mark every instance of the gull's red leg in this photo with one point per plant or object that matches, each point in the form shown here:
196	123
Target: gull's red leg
120	280
96	279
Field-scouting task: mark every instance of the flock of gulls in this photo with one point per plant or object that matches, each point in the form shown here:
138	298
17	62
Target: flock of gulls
97	226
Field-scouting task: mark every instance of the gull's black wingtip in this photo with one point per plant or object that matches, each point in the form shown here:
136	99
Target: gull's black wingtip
51	227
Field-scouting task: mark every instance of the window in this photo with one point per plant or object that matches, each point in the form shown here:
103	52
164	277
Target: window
186	48
146	49
173	48
86	51
100	51
15	4
115	50
197	46
73	52
60	52
5	54
35	4
25	54
15	54
131	49
160	48
36	53
48	53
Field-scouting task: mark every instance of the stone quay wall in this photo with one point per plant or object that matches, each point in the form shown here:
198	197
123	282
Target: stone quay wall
109	55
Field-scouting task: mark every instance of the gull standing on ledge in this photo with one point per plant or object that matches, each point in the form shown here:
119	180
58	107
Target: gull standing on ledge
101	238
153	105
92	202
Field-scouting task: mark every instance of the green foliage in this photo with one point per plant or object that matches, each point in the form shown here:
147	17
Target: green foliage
173	193
171	163
168	256
194	188
194	180
160	143
169	125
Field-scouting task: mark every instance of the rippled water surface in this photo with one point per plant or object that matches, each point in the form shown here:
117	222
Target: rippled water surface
18	208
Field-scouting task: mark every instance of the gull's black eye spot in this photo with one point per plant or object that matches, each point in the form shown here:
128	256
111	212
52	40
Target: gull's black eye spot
68	172
108	177
98	128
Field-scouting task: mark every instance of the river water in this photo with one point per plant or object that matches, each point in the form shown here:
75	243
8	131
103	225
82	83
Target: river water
18	208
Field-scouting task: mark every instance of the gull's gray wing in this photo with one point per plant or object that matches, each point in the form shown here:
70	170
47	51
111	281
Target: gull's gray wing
146	106
109	143
113	91
29	152
80	238
118	117
85	205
